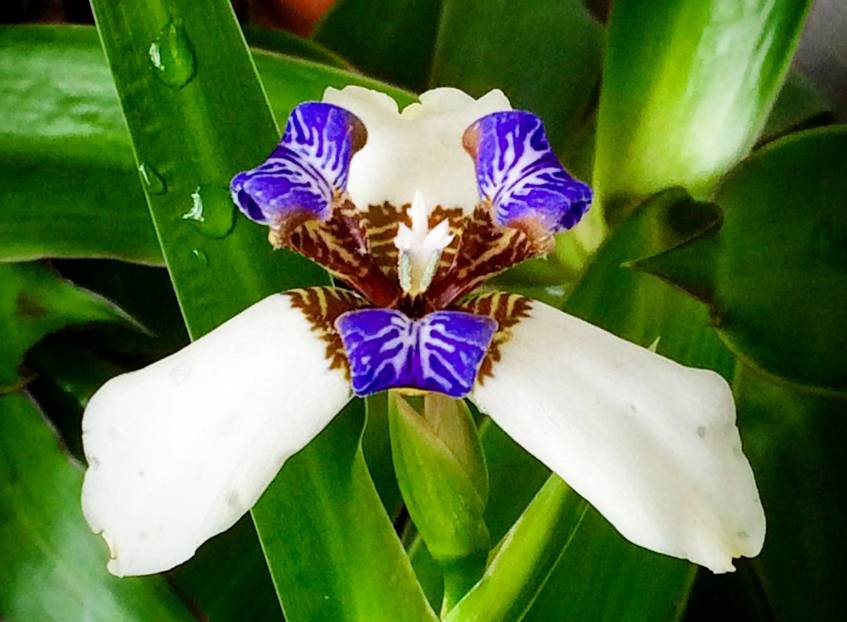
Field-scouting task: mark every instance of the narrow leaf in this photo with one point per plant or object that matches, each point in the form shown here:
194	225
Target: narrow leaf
526	555
197	124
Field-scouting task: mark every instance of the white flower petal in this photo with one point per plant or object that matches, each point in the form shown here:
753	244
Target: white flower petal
180	450
650	443
419	149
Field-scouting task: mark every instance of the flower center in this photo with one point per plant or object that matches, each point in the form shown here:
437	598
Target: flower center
420	248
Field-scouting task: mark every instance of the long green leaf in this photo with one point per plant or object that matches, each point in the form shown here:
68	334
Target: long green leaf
525	558
34	302
687	88
205	121
52	565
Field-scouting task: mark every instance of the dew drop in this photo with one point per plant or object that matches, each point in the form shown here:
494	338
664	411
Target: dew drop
212	211
172	56
200	257
701	431
151	178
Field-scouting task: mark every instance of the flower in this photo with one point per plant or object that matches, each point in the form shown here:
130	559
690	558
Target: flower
414	210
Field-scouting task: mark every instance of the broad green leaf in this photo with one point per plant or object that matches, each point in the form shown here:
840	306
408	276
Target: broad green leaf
546	57
34	302
389	39
525	557
795	442
799	106
52	564
775	273
60	204
207	119
687	88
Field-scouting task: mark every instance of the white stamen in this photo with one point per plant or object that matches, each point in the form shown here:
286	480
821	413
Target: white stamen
420	247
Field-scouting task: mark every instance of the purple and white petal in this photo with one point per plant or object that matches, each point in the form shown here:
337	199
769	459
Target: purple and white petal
180	450
520	176
307	171
650	443
440	352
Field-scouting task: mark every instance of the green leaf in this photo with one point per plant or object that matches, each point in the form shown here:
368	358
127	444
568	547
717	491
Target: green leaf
34	302
687	88
53	566
283	42
775	273
525	558
799	106
330	546
546	58
59	204
68	182
204	122
795	442
389	40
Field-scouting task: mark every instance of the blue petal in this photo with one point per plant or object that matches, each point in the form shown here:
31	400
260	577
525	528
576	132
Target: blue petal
518	173
308	169
440	352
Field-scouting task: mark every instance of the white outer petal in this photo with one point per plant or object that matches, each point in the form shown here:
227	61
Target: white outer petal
418	150
180	450
650	443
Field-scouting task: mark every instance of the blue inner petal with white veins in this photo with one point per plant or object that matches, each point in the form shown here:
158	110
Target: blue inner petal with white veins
440	352
518	173
307	171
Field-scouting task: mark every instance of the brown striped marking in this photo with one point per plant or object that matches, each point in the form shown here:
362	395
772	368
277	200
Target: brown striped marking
508	310
340	244
321	306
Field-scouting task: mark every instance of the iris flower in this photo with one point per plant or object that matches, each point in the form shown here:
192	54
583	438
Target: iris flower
413	211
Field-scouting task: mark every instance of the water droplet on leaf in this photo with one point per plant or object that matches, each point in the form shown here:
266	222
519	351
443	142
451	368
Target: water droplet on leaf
200	257
212	211
172	56
151	178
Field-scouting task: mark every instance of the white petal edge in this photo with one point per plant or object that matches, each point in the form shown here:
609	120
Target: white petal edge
416	150
180	450
650	443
